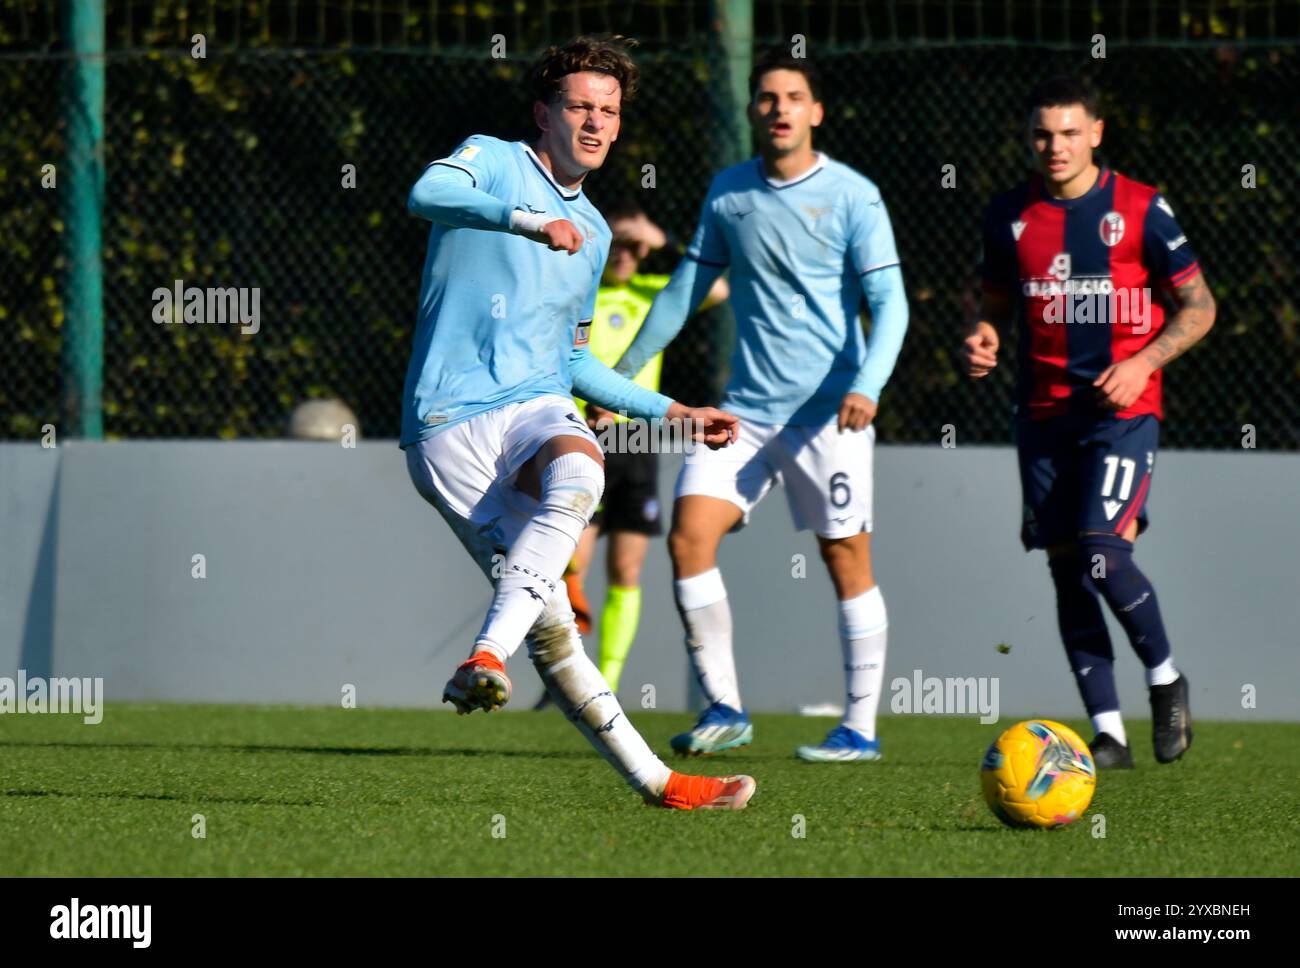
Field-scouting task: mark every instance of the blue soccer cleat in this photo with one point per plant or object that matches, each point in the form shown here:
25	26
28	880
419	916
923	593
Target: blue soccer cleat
720	728
841	745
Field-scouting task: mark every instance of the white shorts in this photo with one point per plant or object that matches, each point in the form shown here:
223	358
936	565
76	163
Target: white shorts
827	474
468	471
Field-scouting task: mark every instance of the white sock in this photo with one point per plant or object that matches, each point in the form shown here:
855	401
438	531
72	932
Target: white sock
571	488
1163	674
1111	722
863	628
581	693
702	601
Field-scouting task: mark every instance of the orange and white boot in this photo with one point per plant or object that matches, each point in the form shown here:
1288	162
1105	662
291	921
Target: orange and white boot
578	601
684	792
480	682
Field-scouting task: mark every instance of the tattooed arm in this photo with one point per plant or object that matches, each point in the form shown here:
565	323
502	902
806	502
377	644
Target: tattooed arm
1189	325
1120	384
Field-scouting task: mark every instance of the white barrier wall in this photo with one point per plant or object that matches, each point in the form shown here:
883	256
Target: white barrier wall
325	568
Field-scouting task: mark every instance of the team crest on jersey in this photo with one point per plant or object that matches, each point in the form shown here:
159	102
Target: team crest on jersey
1112	228
815	214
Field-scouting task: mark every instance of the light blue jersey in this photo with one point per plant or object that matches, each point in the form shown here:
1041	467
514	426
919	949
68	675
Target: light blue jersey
502	318
801	254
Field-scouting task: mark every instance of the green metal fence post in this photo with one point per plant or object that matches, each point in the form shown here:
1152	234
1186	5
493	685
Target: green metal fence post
83	316
734	22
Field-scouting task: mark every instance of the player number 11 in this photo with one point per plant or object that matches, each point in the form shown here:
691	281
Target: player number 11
1130	467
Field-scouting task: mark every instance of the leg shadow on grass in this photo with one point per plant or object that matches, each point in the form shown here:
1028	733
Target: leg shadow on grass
183	798
428	751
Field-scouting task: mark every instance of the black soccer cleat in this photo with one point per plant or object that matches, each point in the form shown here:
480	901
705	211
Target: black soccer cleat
1110	754
1171	720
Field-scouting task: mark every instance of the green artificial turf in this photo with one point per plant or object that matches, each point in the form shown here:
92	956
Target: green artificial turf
292	791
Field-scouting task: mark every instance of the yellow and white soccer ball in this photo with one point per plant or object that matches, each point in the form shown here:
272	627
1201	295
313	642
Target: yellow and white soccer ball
1038	774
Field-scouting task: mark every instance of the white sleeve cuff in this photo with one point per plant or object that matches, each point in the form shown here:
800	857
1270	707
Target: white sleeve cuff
527	223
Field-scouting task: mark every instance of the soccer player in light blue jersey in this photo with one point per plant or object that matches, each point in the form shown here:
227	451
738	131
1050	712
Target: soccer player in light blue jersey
805	239
492	437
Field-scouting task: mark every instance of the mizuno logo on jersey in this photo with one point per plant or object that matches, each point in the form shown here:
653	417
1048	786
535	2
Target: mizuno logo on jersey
1017	230
1176	242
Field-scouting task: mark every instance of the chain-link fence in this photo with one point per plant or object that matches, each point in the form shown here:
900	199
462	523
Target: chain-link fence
231	171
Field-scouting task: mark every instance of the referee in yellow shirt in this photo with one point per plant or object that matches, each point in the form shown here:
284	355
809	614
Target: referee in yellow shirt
629	512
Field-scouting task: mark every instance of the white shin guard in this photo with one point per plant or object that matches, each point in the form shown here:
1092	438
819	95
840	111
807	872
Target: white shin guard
572	485
577	688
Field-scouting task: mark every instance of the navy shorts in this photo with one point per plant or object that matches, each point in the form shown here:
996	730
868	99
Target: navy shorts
1080	474
631	500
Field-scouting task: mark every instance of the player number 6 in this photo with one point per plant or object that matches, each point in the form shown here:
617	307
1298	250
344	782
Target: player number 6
840	485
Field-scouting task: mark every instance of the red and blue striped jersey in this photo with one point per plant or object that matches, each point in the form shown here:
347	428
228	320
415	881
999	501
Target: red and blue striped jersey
1087	271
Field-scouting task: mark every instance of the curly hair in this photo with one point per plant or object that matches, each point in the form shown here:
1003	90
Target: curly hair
603	55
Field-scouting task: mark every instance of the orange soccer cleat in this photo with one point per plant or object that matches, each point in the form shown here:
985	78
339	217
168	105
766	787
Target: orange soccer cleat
683	792
578	601
479	683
